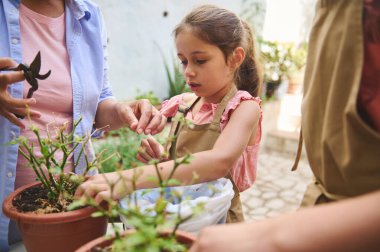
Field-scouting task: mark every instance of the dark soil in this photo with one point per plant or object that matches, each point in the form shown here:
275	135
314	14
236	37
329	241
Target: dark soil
35	199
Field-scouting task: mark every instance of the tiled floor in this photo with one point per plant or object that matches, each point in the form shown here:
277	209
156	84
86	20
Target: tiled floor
277	189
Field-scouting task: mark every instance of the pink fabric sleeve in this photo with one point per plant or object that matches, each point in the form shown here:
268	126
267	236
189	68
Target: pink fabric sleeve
244	170
170	107
234	103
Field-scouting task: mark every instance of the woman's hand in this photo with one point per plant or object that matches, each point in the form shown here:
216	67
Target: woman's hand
140	116
9	106
150	149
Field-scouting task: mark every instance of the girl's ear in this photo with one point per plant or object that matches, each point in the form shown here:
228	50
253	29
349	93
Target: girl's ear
237	57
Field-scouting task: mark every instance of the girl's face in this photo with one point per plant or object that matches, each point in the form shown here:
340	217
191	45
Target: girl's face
204	66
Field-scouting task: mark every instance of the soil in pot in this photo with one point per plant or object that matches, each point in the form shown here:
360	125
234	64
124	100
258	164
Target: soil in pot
35	199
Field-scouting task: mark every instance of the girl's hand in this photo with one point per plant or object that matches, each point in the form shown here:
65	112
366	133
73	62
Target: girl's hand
150	149
10	106
99	187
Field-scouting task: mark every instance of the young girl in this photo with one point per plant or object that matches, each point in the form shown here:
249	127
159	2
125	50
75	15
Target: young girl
217	51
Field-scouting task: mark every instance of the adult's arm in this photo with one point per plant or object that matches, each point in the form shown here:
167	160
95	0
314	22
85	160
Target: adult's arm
348	225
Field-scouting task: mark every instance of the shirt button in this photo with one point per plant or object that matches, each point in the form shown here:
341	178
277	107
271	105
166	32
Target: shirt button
14	41
10	174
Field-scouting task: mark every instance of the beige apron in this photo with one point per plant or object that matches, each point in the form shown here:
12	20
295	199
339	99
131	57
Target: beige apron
343	151
199	138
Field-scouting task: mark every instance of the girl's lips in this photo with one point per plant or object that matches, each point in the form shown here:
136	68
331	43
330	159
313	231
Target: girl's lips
194	86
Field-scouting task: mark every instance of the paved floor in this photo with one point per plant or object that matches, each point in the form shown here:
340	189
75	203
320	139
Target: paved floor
277	189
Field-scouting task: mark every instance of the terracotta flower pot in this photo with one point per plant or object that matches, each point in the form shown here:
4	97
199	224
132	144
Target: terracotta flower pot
181	236
58	232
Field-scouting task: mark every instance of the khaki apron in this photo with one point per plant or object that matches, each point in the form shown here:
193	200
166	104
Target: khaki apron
197	138
343	151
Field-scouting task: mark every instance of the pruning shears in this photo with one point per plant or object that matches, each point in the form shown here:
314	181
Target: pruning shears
31	73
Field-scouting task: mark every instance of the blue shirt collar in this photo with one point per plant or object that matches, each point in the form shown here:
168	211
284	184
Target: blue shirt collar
79	9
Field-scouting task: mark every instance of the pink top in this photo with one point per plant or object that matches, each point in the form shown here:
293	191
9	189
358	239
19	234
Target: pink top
54	95
244	170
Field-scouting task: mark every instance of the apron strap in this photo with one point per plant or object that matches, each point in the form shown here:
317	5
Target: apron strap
221	107
184	109
170	146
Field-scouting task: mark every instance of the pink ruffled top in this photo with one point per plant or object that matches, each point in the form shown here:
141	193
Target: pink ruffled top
244	170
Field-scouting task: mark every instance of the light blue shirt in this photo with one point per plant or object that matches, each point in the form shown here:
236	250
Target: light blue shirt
86	42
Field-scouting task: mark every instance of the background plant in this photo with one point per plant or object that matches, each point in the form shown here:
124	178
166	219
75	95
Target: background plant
118	149
121	146
153	99
176	81
281	60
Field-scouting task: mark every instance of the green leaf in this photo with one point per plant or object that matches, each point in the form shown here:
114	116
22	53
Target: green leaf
45	150
173	182
136	239
160	205
56	170
77	204
98	214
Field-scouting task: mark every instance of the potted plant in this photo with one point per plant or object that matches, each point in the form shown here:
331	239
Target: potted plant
281	61
153	229
41	208
295	74
103	244
154	216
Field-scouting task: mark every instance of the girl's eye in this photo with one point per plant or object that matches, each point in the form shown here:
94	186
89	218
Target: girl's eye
184	62
200	62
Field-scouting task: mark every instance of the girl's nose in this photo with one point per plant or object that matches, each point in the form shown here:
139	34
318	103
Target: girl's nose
189	71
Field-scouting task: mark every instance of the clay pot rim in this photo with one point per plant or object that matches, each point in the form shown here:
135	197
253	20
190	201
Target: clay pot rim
10	211
106	241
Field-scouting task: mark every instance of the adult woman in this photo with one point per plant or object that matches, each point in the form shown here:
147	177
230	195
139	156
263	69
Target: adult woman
73	43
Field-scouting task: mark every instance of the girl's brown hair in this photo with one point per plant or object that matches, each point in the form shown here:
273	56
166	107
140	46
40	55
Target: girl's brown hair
227	31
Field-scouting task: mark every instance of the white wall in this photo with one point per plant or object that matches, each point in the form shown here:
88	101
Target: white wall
137	32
